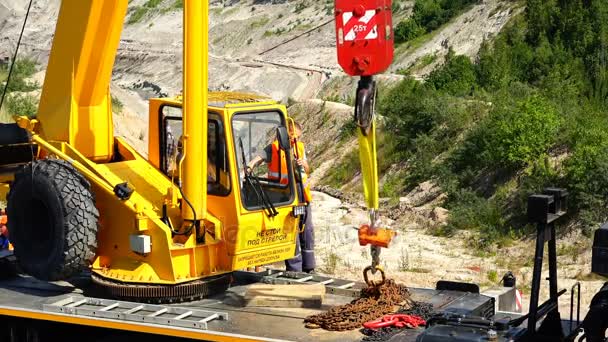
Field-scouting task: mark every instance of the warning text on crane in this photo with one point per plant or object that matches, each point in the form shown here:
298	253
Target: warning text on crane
362	28
267	237
265	257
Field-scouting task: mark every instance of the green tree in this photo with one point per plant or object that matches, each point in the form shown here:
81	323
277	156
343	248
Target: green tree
407	30
518	135
457	76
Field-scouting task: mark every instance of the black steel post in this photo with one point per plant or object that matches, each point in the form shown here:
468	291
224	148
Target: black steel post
538	268
552	264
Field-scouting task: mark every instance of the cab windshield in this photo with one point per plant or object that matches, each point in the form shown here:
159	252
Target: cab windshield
254	136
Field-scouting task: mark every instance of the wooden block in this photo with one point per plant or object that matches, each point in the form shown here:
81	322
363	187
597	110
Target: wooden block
284	296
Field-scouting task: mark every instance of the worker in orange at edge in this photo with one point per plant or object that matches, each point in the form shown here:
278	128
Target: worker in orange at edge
304	259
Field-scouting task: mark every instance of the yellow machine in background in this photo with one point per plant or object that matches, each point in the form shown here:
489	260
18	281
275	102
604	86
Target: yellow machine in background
165	229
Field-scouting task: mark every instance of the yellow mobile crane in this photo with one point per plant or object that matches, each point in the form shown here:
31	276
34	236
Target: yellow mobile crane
170	228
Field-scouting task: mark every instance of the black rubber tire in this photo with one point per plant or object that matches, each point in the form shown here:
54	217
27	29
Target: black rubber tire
53	220
12	134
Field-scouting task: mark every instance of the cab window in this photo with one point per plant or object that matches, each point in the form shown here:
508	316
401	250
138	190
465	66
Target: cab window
254	134
218	176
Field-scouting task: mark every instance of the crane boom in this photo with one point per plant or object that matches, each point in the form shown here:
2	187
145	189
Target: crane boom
75	104
194	108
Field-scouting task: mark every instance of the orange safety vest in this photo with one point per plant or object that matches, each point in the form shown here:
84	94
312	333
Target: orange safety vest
277	170
283	176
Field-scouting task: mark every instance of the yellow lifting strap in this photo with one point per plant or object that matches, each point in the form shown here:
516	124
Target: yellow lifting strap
369	166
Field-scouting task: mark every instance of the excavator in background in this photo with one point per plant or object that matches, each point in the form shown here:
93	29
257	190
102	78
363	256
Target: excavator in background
107	242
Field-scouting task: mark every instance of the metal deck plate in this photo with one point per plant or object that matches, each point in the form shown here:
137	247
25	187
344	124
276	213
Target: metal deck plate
136	312
284	324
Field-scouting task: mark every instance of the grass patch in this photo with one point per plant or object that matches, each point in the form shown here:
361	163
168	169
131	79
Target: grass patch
420	64
300	6
5	117
344	171
492	276
415	43
139	12
348	130
117	105
175	6
3	76
348	100
276	32
330	262
20	103
393	185
404	264
259	22
404	260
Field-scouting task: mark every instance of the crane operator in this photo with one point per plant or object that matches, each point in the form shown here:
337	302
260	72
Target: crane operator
304	259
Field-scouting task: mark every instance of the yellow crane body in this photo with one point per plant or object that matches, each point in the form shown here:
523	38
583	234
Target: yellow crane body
173	218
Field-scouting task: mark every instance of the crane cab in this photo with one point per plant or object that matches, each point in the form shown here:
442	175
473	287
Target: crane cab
257	220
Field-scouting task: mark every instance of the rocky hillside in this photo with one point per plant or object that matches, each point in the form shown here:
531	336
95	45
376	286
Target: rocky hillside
248	46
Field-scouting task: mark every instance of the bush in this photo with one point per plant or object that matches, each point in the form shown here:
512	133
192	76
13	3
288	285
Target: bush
414	110
514	135
22	69
429	13
404	107
457	76
22	105
586	176
472	212
407	30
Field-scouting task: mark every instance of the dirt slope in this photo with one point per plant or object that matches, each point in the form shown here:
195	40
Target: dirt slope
464	34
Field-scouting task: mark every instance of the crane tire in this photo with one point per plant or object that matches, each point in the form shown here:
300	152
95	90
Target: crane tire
52	220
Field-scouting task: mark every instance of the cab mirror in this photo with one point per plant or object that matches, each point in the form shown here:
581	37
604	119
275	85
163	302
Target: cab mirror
283	138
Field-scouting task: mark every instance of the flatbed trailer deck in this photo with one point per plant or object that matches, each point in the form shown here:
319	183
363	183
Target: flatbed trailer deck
26	306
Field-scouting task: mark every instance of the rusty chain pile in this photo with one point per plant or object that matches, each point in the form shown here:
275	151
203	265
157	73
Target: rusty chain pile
375	302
